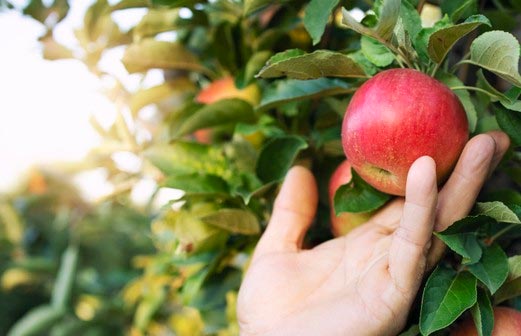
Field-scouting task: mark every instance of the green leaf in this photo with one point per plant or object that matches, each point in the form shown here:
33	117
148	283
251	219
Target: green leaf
197	183
514	267
442	41
284	91
389	14
159	93
484	84
410	19
458	9
254	65
65	279
321	63
498	52
482	314
222	112
376	52
234	220
498	211
316	17
351	23
511	288
277	156
510	122
421	42
126	4
492	269
37	321
412	331
358	196
151	54
157	21
464	96
446	296
464	244
251	6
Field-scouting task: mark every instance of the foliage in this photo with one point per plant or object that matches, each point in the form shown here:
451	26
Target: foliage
306	58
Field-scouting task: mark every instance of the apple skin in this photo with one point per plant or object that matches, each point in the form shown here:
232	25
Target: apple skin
396	117
346	221
507	322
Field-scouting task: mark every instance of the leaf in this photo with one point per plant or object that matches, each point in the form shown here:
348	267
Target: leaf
254	65
321	63
498	52
157	21
389	14
376	52
464	244
197	183
351	23
234	220
482	314
222	112
37	321
510	122
251	6
457	9
159	93
514	267
464	96
358	196
511	288
446	296
492	269
65	279
498	211
151	54
412	331
411	20
442	41
316	16
126	4
277	156
284	91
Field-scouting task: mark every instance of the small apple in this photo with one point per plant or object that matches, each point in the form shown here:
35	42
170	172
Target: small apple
507	322
396	117
224	88
345	221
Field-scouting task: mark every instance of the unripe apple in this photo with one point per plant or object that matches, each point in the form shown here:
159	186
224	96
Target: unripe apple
396	117
224	88
507	322
345	221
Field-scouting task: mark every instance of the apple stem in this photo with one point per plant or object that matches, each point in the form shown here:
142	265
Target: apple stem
500	233
435	70
473	88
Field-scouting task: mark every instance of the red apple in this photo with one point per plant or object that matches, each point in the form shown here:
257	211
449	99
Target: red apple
507	322
345	221
396	117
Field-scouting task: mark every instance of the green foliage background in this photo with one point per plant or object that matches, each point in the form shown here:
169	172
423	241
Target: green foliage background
70	267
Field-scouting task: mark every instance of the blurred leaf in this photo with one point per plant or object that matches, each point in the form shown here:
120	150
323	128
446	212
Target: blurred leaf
37	321
277	156
251	6
187	322
174	3
147	307
457	9
254	65
53	50
65	279
126	4
442	41
149	54
510	122
284	91
157	21
498	211
447	294
376	52
492	269
321	63
159	93
197	183
50	14
412	331
389	14
234	220
452	81
222	112
498	52
482	314
358	196
316	17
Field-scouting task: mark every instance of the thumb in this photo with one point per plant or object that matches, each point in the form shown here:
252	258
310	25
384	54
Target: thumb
293	213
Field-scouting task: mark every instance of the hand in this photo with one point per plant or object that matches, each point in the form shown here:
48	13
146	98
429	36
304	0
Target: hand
363	283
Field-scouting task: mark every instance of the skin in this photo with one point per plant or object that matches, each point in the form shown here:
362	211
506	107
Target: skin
396	117
362	283
507	322
345	221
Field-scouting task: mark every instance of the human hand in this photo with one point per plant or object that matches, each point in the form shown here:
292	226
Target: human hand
362	283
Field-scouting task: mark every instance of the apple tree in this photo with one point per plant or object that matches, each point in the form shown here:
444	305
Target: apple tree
304	60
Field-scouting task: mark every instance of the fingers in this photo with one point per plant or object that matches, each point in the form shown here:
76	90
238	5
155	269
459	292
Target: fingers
410	241
480	157
293	212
